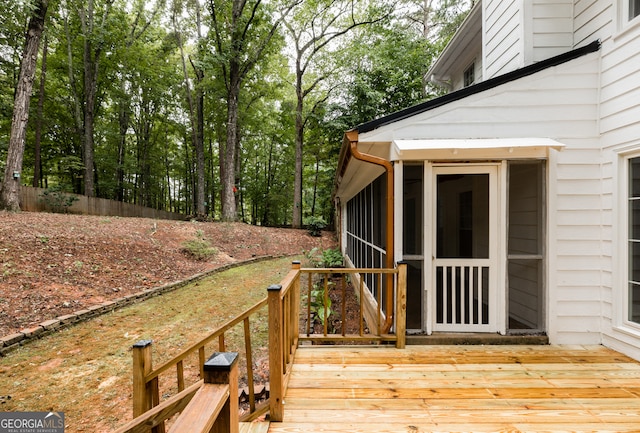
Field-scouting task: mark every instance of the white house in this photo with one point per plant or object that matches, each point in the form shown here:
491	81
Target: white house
515	198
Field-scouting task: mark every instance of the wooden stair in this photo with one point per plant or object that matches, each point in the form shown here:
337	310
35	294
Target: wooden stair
254	427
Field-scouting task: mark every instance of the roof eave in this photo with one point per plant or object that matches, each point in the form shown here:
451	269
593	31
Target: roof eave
479	87
457	43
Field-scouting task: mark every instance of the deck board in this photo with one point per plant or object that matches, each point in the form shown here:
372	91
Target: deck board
461	388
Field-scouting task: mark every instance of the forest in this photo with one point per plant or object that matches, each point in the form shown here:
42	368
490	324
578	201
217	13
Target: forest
218	109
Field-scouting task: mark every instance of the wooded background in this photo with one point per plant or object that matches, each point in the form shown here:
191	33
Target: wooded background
228	109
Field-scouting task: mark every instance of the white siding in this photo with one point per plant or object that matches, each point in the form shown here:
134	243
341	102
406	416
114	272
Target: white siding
620	127
577	258
592	20
559	102
518	33
552	28
502	37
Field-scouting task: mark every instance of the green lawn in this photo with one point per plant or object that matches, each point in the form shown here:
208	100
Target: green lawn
85	371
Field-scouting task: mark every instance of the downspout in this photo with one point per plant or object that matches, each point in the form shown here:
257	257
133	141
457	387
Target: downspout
352	136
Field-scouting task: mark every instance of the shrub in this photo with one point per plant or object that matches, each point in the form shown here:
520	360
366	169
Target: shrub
57	199
199	249
315	225
332	258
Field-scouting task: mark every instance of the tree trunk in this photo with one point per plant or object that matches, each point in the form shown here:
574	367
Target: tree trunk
199	146
91	67
123	122
77	103
37	164
10	192
315	187
90	91
229	210
199	136
296	221
196	116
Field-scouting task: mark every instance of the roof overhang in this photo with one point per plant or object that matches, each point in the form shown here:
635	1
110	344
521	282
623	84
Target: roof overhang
477	88
467	39
482	148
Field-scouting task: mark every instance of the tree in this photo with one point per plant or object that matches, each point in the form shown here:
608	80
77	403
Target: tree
134	47
312	28
37	163
10	191
242	31
93	27
195	105
436	20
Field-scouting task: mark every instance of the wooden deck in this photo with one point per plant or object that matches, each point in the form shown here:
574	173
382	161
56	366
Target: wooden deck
462	389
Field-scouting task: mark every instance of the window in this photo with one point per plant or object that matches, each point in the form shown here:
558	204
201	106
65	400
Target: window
470	74
634	9
633	230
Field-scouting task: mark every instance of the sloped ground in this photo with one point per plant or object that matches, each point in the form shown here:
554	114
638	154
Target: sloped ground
54	264
85	371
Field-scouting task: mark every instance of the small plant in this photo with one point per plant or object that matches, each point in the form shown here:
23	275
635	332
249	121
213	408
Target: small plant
315	225
332	258
199	248
57	199
321	306
314	258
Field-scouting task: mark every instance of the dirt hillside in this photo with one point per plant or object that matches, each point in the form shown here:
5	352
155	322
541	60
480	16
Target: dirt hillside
54	264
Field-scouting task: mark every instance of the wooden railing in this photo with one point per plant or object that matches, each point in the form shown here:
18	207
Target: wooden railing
146	379
293	313
330	316
297	306
210	405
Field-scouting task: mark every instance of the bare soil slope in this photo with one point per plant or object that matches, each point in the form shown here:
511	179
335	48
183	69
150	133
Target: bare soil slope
54	264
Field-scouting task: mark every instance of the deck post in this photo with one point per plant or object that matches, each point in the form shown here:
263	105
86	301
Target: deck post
401	306
145	395
295	308
276	353
221	369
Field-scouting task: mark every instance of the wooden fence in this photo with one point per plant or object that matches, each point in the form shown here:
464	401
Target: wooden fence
42	200
289	316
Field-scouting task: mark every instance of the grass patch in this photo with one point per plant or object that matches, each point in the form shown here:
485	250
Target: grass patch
85	371
199	249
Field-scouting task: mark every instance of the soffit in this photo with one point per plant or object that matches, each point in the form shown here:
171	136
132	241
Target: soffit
489	148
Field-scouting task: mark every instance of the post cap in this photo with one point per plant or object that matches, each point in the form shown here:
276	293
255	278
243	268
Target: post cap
142	343
221	361
274	287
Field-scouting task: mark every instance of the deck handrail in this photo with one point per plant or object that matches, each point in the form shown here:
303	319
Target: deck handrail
212	401
284	302
146	379
285	316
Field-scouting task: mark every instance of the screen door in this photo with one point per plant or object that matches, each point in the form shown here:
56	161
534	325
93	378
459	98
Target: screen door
465	249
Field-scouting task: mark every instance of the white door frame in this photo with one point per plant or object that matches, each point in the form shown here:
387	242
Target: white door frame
497	246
